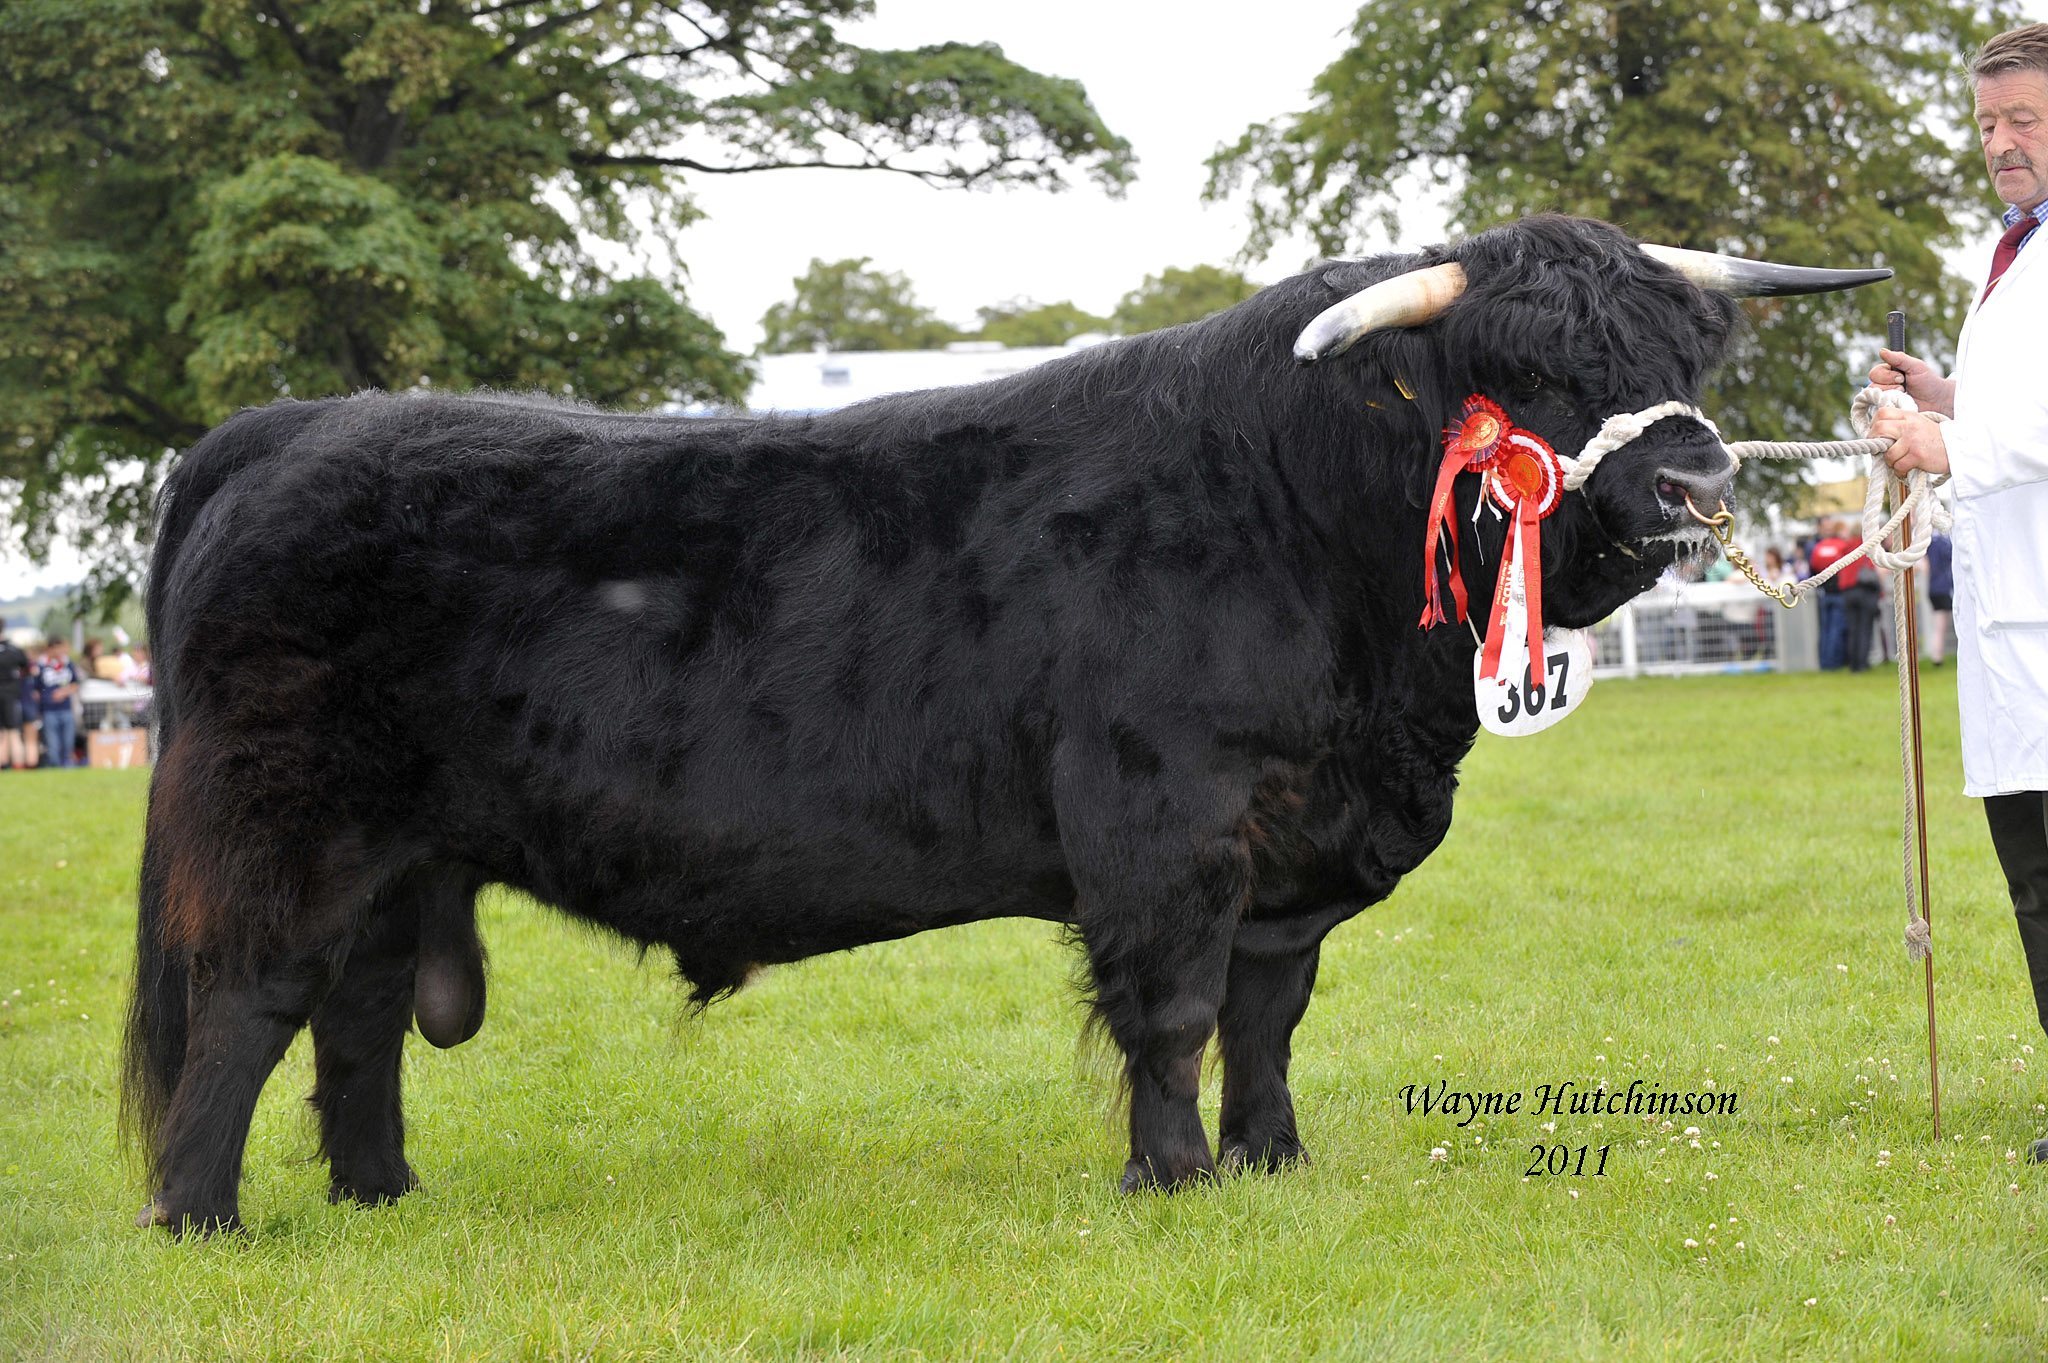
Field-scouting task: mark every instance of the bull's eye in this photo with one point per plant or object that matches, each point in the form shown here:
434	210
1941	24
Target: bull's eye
1527	383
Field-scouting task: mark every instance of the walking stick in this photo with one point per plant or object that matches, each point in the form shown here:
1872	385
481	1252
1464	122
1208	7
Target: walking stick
1906	605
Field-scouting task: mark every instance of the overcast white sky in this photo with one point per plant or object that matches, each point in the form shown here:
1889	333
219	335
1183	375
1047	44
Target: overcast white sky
1175	77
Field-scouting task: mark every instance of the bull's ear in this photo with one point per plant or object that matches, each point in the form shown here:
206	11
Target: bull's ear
1741	278
1408	299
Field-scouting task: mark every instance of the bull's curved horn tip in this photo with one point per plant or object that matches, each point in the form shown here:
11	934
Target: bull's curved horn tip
1406	300
1743	278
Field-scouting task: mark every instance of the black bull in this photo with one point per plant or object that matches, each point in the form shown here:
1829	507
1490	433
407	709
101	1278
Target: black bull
1127	642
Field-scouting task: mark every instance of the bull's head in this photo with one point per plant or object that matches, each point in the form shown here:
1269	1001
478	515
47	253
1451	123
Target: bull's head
1565	323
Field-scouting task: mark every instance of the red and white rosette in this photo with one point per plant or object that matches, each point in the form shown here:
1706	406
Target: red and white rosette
1472	445
1526	480
1522	683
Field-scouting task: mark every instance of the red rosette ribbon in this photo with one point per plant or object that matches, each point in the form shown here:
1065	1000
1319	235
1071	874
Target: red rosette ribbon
1471	444
1526	480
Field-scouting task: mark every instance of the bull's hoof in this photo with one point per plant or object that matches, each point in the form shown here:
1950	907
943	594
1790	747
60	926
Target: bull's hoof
1268	1156
373	1191
1144	1175
156	1212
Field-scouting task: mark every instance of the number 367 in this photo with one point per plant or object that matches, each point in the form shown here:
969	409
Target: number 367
1528	698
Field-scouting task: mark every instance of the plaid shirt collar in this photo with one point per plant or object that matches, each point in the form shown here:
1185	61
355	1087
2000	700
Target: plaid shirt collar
2013	213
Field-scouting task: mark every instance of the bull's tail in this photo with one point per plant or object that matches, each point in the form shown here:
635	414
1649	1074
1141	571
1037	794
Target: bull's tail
156	1015
157	1011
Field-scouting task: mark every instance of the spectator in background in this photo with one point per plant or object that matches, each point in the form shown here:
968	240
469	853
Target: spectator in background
1834	624
1941	593
90	661
1859	587
57	687
31	707
138	668
100	664
14	666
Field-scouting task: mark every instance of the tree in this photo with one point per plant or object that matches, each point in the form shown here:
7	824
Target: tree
1174	296
207	203
1813	132
1022	322
844	305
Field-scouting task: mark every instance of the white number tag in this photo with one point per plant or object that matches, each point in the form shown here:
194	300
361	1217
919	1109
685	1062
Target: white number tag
1530	698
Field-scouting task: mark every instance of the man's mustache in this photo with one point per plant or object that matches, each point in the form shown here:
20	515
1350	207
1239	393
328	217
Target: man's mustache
2012	160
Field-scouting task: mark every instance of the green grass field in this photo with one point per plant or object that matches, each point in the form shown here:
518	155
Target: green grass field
899	1153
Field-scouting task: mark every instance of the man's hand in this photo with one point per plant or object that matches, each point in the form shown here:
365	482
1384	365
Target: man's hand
1897	369
1916	441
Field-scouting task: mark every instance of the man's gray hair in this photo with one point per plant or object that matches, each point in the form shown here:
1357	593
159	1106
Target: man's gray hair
2018	49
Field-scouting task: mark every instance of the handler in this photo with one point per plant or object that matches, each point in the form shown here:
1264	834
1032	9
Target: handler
1997	449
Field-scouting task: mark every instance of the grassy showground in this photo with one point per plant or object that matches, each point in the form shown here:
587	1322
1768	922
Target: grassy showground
896	1154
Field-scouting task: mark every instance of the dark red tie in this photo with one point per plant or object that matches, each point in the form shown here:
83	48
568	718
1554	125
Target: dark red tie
2008	250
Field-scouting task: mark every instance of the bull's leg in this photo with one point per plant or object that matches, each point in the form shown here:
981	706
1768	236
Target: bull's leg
238	1031
1159	954
1266	998
1158	996
1157	845
358	1035
1272	972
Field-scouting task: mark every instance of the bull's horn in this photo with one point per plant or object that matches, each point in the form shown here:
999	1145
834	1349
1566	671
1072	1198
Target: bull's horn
1757	278
1403	301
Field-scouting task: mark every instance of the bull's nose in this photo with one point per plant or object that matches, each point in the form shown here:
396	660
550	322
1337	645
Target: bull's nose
1707	490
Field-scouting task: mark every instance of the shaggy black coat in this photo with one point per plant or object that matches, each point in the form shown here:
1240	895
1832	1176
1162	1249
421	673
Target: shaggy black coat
1127	642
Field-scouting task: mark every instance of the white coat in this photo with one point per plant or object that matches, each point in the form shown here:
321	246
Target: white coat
1998	455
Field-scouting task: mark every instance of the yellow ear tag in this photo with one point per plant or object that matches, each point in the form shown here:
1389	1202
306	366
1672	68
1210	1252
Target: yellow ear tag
1402	384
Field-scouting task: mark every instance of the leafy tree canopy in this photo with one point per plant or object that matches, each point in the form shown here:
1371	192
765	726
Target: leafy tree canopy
208	203
1175	295
844	305
1813	132
1022	322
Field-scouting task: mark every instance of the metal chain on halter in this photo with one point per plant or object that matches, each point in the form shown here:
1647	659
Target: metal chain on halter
1918	508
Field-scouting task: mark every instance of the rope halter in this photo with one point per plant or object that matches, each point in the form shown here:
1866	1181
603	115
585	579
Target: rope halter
1623	427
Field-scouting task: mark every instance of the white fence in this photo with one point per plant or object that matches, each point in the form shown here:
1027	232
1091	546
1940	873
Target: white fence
1679	629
